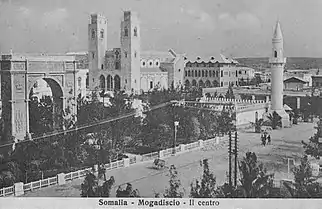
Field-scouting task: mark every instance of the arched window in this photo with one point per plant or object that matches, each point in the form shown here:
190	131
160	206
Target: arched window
126	32
102	33
135	54
102	66
102	82
199	73
203	73
196	73
275	54
117	65
93	34
79	82
188	73
135	32
87	80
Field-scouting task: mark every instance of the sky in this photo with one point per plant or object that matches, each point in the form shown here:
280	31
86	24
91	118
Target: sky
237	28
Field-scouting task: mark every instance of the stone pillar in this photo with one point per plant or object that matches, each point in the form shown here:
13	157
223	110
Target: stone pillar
161	153
18	188
126	162
182	147
61	179
217	140
200	143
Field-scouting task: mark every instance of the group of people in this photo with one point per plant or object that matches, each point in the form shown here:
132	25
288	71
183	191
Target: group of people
266	139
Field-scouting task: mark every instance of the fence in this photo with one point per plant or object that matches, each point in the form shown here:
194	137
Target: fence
150	156
191	146
9	191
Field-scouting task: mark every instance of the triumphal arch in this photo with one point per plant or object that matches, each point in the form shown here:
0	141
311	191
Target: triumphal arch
18	75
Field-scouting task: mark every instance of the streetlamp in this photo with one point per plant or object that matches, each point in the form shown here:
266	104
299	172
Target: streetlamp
176	124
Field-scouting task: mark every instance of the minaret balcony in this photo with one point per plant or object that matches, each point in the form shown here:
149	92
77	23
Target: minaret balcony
277	60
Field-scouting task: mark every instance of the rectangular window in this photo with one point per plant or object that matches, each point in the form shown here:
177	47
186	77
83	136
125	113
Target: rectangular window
151	84
93	55
221	74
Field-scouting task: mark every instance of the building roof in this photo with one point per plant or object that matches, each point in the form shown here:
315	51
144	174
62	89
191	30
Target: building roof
287	108
213	59
162	56
317	76
295	79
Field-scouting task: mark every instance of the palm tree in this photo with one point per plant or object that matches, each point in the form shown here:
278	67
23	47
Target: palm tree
275	120
258	125
255	182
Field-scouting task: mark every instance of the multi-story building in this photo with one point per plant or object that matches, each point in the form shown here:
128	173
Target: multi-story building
212	72
245	73
128	68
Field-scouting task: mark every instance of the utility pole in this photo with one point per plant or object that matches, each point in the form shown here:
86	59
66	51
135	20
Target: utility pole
236	162
229	159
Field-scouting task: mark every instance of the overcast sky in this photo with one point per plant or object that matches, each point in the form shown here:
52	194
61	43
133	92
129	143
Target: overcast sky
239	28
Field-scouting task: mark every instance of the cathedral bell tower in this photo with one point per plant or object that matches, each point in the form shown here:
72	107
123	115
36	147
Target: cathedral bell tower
130	53
97	47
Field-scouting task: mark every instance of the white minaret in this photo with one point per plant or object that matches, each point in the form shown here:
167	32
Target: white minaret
277	62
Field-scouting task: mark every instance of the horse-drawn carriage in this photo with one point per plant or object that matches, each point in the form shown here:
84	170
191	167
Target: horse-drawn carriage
159	163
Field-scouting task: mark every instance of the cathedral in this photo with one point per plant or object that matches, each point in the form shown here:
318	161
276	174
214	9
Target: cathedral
128	68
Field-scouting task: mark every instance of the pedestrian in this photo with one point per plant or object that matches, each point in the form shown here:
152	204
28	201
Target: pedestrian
269	139
264	139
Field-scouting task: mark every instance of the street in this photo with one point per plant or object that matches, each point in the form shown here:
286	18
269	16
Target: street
285	143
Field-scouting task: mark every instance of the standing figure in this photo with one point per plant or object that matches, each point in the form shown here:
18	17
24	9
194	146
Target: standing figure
269	139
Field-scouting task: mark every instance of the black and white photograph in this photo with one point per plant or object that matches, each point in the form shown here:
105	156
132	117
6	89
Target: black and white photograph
161	103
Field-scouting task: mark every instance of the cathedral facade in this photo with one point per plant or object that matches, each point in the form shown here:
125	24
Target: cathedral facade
128	68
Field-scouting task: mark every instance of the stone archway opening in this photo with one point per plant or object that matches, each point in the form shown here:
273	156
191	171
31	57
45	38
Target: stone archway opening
117	82
46	108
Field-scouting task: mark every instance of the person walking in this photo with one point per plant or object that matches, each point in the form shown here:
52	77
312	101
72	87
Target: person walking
269	139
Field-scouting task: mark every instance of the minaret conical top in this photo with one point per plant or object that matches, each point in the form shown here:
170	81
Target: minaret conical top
278	31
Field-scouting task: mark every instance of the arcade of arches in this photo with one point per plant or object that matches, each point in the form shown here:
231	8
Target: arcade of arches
110	83
201	83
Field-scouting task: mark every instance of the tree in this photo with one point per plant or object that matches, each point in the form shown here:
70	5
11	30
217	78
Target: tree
305	184
230	93
255	182
105	189
206	188
225	121
89	186
314	147
275	120
174	190
258	125
127	192
41	116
